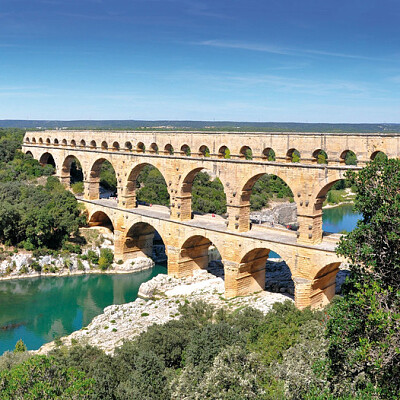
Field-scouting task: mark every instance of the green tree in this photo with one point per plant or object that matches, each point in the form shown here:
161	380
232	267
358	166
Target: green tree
20	347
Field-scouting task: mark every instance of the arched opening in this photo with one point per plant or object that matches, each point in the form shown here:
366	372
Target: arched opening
271	202
40	140
93	144
204	151
260	269
268	154
185	150
28	153
199	253
320	157
128	146
140	148
33	140
64	142
203	194
47	159
379	156
154	148
72	175
56	142
324	285
348	157
246	153
27	140
82	143
99	218
115	146
293	156
48	141
104	145
102	181
143	240
73	143
224	152
168	150
145	186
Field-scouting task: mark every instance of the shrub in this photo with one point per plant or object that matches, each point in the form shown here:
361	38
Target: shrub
77	188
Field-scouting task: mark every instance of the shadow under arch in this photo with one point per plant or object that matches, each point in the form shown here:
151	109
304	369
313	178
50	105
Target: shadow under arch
156	191
196	253
102	179
143	240
259	271
212	201
324	285
71	171
100	218
47	159
29	153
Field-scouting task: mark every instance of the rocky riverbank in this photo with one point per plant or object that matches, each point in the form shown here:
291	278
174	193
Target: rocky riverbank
164	296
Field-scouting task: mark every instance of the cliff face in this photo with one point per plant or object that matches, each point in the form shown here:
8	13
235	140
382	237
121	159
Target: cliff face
281	214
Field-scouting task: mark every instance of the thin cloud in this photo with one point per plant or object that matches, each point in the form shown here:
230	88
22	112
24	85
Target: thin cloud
280	49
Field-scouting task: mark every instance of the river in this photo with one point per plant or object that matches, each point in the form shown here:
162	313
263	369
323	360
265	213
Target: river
37	310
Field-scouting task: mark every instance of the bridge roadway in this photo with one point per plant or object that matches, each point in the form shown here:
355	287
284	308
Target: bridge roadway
244	254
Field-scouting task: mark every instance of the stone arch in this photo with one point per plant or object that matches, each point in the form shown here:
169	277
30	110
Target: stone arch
48	141
82	143
66	176
348	157
242	220
268	154
246	153
320	156
100	218
115	146
379	154
33	140
185	150
128	146
94	177
154	148
193	255
47	159
168	149
104	145
27	140
93	144
128	197
204	151
29	153
293	156
183	204
40	140
323	285
73	143
140	147
139	241
64	142
224	152
56	142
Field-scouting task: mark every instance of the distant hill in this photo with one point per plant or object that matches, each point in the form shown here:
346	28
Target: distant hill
201	125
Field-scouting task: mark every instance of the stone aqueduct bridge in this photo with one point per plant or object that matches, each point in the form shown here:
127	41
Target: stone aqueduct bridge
179	156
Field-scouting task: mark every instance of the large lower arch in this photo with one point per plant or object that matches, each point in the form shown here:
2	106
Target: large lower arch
242	218
139	241
47	159
71	171
323	285
156	194
93	184
100	218
193	255
183	207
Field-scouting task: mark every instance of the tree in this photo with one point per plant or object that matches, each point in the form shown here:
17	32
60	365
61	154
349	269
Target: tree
364	328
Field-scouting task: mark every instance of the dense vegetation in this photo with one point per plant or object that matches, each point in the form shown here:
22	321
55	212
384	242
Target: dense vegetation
32	215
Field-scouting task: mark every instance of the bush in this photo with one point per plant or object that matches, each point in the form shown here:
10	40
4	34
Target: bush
77	188
106	259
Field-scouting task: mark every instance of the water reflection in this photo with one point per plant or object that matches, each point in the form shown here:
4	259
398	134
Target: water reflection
37	310
340	219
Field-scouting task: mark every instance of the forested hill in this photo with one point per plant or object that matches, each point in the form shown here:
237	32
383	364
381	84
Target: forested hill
202	125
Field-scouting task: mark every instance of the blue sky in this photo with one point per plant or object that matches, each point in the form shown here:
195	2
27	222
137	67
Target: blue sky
265	60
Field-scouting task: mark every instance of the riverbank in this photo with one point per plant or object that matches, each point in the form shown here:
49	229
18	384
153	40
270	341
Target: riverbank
342	203
164	296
